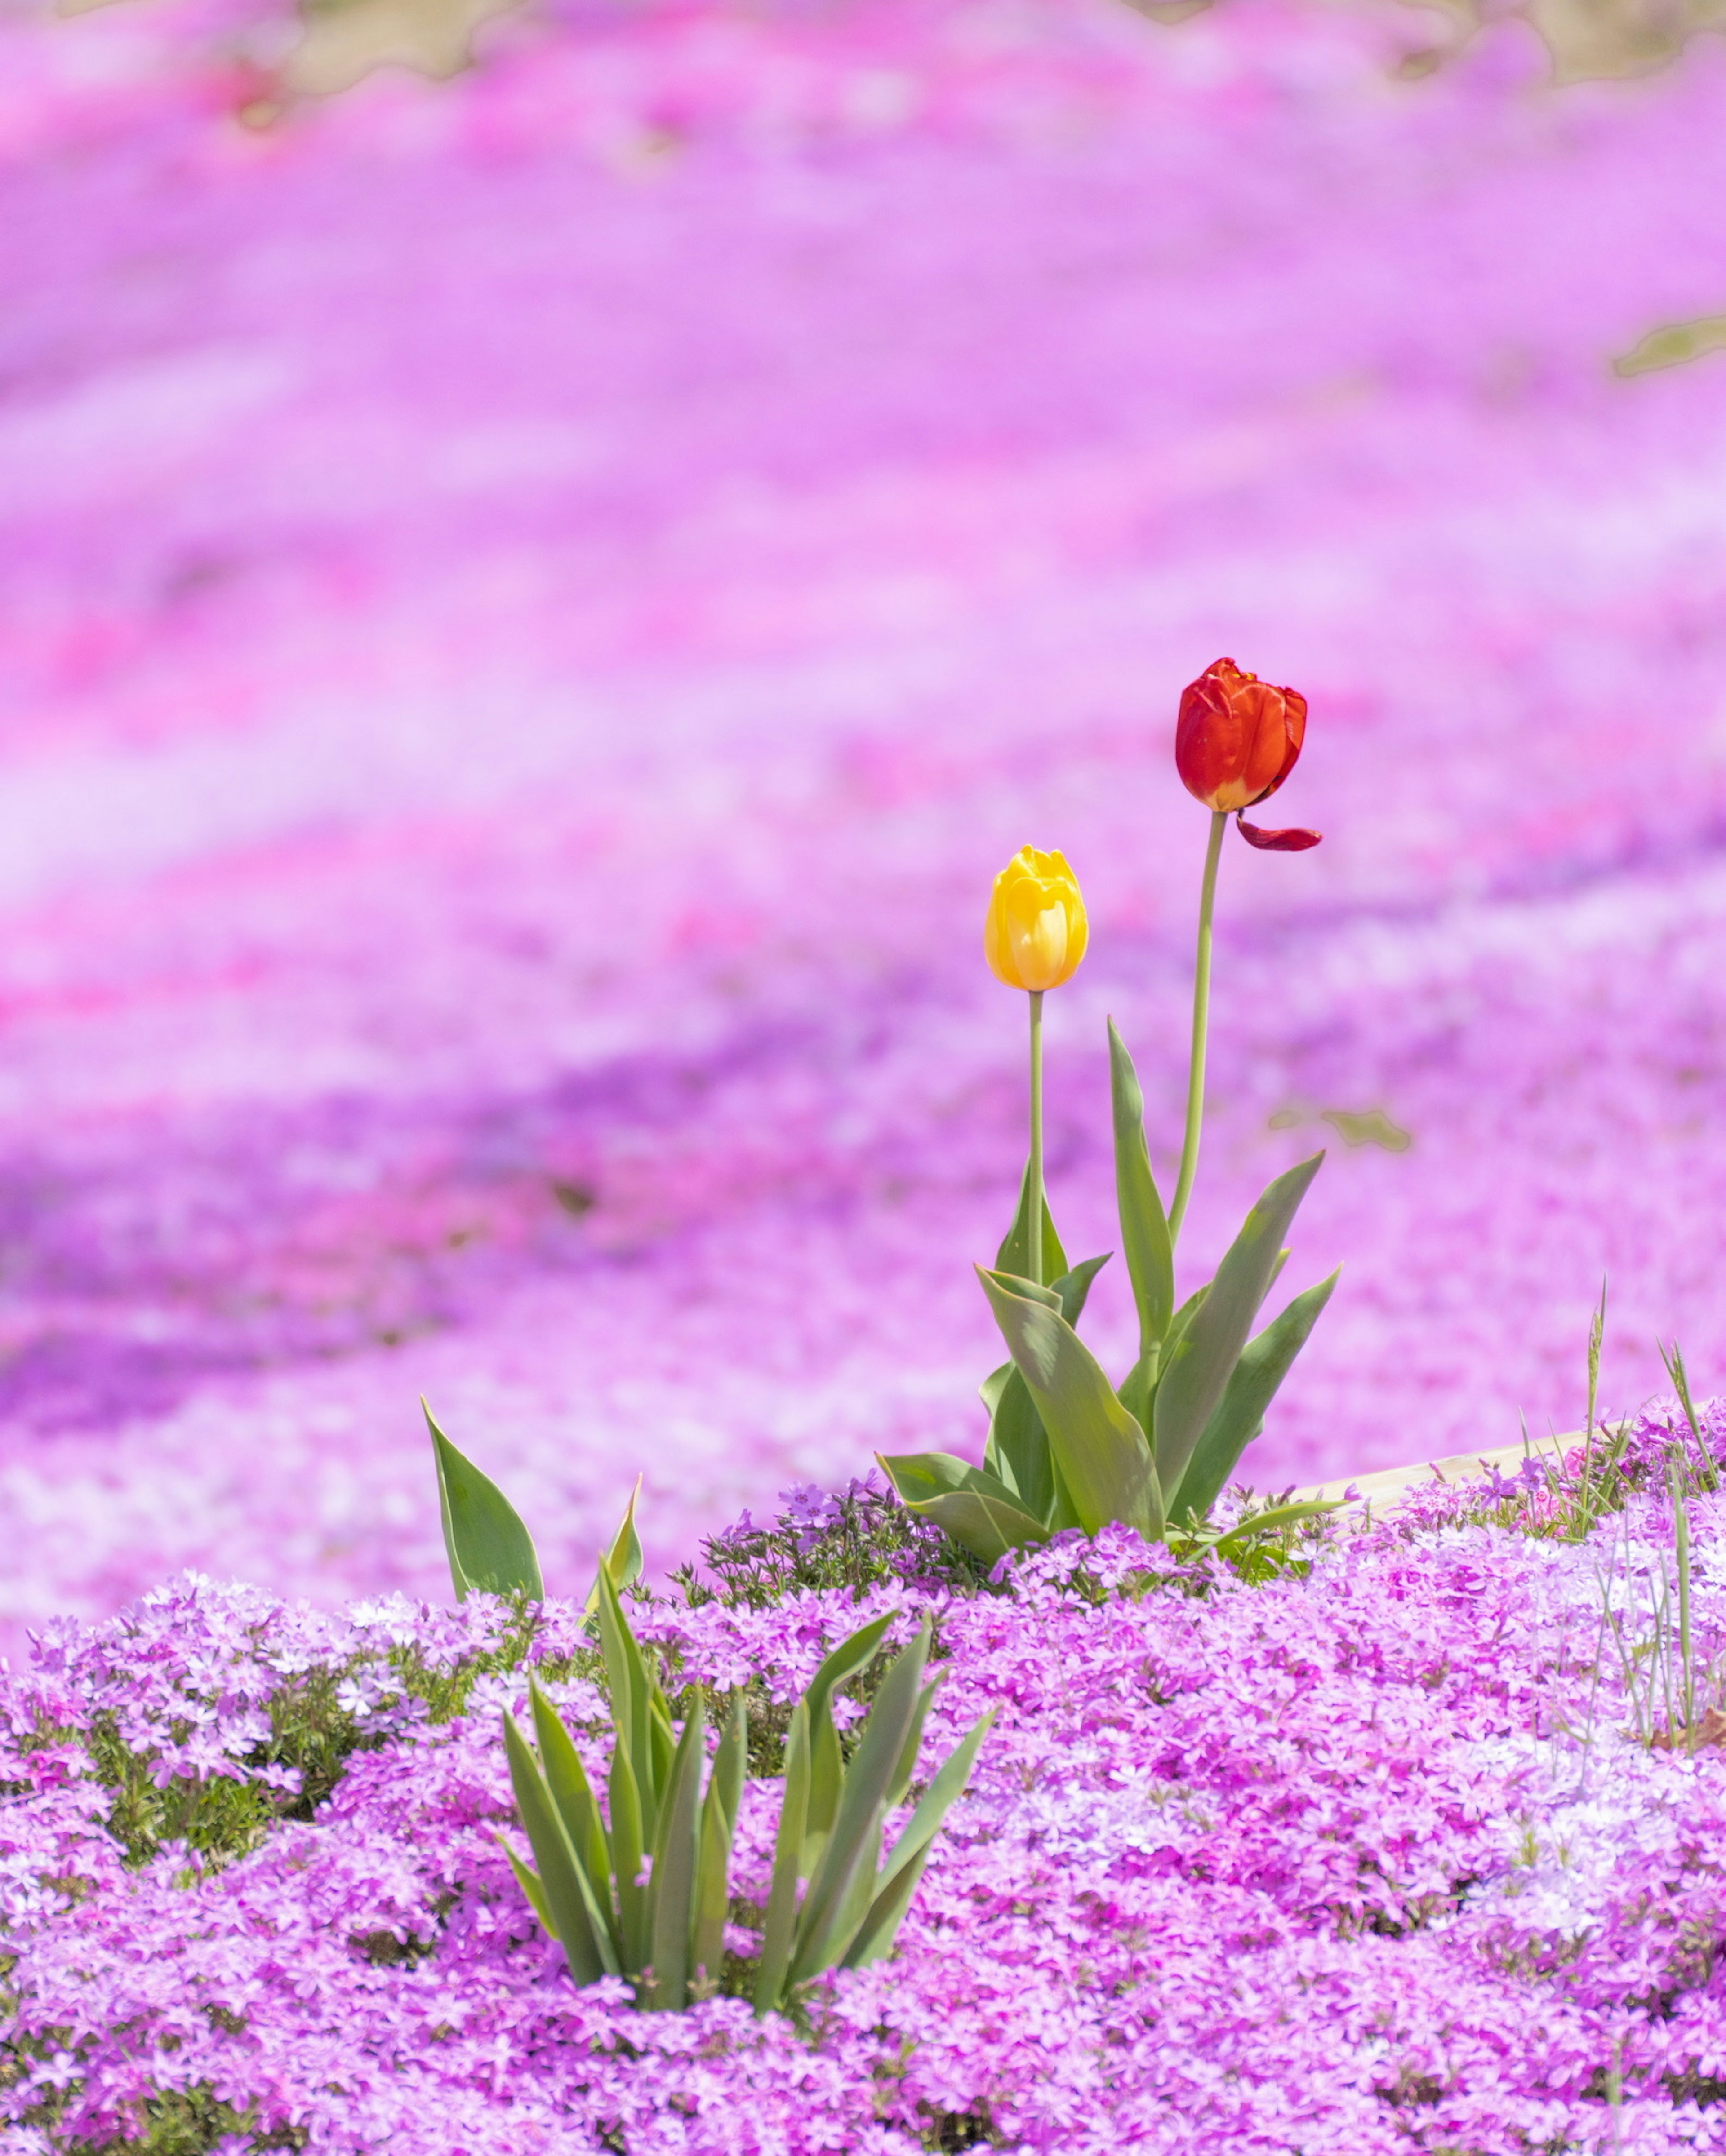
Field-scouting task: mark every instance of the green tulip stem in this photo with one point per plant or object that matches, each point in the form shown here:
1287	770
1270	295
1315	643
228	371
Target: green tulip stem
1201	1027
1036	1136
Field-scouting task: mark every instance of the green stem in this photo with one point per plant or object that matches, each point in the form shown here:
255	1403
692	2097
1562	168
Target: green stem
1201	1026
1036	1136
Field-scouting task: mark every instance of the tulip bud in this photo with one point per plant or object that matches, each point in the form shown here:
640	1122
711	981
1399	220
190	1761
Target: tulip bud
1236	740
1036	930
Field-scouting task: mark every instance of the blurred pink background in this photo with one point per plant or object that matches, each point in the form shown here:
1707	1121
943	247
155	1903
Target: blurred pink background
534	607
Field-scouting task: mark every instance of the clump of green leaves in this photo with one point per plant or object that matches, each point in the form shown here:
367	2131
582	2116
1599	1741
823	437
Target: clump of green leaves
1066	1448
642	1892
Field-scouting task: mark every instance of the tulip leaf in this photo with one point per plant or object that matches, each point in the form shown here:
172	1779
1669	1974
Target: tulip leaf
826	1762
1144	1225
719	1827
560	1894
1017	1454
487	1544
628	1848
676	1856
945	1788
988	1527
779	1941
1196	1367
1138	1388
918	1475
977	1509
904	1867
840	1892
566	1778
623	1560
1238	1416
1014	1256
886	1913
1018	1449
1099	1450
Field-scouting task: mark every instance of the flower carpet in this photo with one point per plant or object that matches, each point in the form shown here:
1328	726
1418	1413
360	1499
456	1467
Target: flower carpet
1377	1855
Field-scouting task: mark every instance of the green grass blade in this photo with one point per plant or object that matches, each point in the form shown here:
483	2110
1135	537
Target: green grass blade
560	1889
676	1857
1144	1225
488	1547
1099	1450
1239	1415
779	1937
1197	1367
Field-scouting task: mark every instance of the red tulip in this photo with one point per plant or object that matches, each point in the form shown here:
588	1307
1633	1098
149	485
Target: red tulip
1236	742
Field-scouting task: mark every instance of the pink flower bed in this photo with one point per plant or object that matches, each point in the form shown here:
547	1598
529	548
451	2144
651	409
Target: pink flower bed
1371	1858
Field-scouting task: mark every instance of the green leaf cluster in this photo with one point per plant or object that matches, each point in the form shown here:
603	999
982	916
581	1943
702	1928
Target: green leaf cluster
1068	1449
642	1892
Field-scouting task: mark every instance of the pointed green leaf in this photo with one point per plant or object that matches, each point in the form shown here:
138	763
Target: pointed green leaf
623	1560
988	1527
719	1827
875	1935
779	1941
944	1791
1014	1256
628	1849
637	1705
1017	1453
904	1867
917	1476
1197	1367
826	1765
675	1857
906	1768
1099	1450
1138	1390
560	1891
1238	1416
528	1881
1273	1517
1144	1225
853	1845
566	1780
487	1545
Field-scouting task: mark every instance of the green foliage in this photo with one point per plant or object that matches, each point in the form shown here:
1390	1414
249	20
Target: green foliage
859	1538
309	1731
643	1890
1068	1449
485	1539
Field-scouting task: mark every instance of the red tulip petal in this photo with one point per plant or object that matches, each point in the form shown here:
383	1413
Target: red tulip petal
1275	842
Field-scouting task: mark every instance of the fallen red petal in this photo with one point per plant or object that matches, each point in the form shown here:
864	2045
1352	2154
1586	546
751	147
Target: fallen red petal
1277	842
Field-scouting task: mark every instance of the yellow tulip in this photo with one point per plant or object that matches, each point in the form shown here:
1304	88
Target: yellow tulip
1036	930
